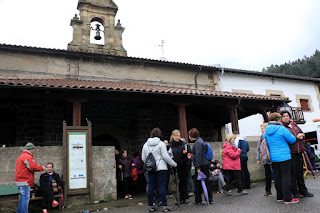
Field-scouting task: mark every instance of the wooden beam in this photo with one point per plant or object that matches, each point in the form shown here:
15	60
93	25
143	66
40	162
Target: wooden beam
183	121
76	112
234	119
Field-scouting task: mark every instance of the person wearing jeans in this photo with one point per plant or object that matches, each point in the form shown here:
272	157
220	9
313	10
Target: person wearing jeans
24	199
157	179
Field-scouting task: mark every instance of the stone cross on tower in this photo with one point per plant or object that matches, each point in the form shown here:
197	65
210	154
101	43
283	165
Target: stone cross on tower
102	12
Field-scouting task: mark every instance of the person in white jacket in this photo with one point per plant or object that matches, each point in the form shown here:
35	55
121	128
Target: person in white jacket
158	178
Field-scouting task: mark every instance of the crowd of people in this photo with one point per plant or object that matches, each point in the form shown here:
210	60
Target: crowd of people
150	170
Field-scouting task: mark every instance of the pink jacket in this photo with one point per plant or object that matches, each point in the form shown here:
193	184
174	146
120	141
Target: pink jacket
230	156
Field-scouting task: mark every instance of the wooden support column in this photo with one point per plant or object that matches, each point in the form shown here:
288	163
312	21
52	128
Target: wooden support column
234	119
265	115
183	121
76	112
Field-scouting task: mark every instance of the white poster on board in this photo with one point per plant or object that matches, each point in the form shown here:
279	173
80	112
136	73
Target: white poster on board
77	160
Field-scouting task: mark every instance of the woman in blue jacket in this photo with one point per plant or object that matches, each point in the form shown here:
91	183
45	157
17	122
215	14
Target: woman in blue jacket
279	138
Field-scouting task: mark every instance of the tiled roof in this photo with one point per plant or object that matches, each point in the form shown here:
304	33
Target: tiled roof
66	83
62	52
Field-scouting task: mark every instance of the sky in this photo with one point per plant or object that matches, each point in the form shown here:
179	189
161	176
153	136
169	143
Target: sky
246	34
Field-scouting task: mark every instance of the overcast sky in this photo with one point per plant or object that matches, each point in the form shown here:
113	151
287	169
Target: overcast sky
241	34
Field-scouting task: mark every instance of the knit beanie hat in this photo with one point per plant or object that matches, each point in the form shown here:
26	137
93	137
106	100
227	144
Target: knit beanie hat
29	146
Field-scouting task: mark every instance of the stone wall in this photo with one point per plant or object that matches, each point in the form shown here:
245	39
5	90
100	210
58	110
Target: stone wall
256	172
103	168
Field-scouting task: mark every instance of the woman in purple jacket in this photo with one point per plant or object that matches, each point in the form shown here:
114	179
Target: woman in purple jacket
141	182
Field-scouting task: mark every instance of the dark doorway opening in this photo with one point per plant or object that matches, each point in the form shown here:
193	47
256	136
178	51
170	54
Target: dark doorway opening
106	140
7	127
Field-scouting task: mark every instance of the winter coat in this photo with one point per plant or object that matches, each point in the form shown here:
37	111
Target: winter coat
295	130
126	167
159	152
177	151
198	150
231	157
25	167
44	180
244	146
135	161
278	139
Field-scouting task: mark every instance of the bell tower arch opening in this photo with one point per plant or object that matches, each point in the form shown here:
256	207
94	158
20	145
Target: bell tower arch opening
97	32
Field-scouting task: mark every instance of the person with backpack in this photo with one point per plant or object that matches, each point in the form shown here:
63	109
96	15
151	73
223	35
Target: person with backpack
267	166
201	164
180	150
156	158
141	182
278	139
232	165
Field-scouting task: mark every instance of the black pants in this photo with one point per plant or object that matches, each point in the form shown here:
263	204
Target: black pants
141	183
233	175
268	174
297	180
282	178
47	194
127	184
198	185
245	175
183	182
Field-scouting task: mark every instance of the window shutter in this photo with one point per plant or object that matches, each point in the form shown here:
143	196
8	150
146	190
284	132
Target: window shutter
304	105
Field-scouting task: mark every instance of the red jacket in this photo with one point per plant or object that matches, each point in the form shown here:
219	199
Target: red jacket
231	157
25	168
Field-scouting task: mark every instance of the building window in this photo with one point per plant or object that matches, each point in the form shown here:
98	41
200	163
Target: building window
304	105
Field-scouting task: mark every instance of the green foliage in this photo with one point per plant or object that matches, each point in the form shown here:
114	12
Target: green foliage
307	67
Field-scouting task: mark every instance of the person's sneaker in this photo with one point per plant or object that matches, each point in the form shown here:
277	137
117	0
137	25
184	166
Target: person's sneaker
130	196
280	200
126	197
166	208
201	203
308	195
54	203
294	200
44	211
211	202
191	194
268	194
243	192
151	208
227	193
186	201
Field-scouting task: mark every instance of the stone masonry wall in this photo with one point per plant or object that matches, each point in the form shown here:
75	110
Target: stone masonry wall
103	168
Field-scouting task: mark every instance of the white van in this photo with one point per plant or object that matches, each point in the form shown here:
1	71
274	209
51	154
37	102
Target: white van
312	132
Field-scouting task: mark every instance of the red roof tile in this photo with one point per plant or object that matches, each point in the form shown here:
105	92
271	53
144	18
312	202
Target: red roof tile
124	86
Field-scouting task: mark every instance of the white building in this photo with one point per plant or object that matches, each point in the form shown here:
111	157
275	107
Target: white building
302	91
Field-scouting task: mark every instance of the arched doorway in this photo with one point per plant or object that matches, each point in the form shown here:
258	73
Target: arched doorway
106	140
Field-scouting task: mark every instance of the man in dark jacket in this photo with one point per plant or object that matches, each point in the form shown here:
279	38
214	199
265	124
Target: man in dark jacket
296	150
200	163
50	183
245	175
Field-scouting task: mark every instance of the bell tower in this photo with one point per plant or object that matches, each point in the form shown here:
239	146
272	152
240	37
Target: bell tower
95	30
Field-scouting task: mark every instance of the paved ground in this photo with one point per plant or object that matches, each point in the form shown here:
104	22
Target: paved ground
251	203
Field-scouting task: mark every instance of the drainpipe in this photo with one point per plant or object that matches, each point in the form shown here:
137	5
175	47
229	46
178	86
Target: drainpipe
195	77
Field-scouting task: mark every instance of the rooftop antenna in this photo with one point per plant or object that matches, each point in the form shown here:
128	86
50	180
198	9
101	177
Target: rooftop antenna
162	48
